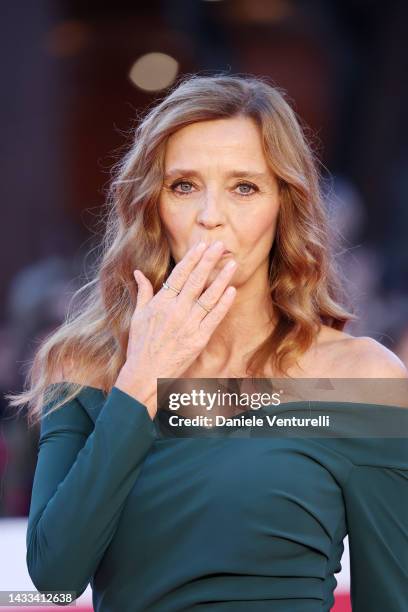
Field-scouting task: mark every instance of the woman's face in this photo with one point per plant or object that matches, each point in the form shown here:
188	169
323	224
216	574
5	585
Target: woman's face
217	186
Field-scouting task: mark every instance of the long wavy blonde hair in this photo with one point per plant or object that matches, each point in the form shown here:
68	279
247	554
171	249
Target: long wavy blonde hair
305	285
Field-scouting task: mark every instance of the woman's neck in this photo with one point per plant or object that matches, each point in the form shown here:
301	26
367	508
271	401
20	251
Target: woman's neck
247	324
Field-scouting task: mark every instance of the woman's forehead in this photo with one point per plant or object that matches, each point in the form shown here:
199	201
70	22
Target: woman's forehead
221	142
234	129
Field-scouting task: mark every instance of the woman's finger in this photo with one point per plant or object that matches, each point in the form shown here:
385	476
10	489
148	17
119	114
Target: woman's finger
183	269
144	289
194	284
215	316
210	297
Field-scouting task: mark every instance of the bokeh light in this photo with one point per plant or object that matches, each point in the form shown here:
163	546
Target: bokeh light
154	71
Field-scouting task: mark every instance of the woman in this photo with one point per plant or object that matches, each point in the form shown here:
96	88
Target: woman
243	524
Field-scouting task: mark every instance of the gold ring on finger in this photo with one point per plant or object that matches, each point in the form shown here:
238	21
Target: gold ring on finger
202	305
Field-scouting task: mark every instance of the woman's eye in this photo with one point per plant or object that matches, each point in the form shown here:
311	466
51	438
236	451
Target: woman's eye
186	187
246	189
182	187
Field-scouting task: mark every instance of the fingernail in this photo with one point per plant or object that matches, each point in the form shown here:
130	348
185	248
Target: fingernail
231	264
200	246
217	245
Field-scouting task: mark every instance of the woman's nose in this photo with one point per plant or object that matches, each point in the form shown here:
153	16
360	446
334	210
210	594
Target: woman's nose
211	211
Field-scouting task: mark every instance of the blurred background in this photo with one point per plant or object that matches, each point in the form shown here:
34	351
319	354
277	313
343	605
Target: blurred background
76	76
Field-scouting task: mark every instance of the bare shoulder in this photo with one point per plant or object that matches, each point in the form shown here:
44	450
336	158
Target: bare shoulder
368	358
340	355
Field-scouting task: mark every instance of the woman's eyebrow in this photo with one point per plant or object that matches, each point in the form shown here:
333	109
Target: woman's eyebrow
233	174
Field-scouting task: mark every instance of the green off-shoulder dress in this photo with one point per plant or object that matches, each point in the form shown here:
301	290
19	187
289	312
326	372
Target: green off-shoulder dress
169	523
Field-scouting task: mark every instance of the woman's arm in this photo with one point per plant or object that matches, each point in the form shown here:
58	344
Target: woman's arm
82	479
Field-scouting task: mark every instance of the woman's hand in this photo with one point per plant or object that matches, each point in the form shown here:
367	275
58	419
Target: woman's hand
168	331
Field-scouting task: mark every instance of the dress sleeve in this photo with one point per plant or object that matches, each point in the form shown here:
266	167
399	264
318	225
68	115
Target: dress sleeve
376	501
83	476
